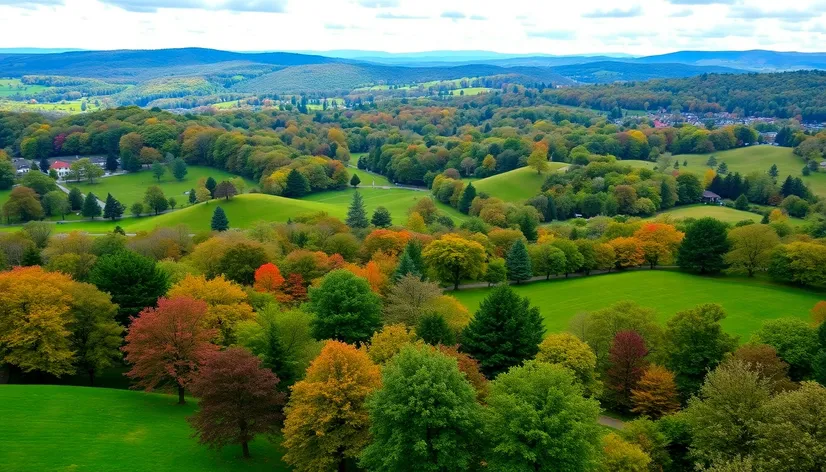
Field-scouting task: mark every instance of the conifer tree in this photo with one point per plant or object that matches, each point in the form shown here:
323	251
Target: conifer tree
357	215
192	197
297	185
91	209
518	262
113	209
467	198
219	220
111	163
381	218
406	267
355	181
210	185
414	251
75	199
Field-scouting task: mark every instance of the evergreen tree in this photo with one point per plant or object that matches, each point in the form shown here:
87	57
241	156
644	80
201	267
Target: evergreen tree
667	196
550	214
518	262
381	218
467	198
742	202
31	257
113	209
179	169
788	186
111	163
75	199
210	185
765	219
704	247
406	267
355	181
773	172
722	169
297	185
712	162
219	220
44	165
91	208
505	331
357	214
528	225
192	197
433	329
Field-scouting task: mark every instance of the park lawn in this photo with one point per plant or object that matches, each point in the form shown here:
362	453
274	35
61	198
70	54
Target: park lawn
639	164
470	91
131	188
10	88
65	106
516	185
368	179
748	302
725	214
397	201
80	429
757	159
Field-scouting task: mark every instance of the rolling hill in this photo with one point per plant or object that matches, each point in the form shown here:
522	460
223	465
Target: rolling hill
615	71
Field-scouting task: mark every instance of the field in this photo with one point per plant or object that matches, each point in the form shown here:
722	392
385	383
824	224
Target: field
728	215
368	179
471	91
53	428
130	188
66	106
757	159
12	87
516	185
747	302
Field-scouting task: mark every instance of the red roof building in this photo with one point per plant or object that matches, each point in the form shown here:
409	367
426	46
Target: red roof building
59	165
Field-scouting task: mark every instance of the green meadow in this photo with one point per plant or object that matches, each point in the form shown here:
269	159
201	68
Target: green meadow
748	302
516	185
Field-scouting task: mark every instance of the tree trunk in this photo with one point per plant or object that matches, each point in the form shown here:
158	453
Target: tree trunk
181	400
245	447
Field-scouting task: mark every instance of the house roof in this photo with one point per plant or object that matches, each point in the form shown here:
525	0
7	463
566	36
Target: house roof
60	165
708	194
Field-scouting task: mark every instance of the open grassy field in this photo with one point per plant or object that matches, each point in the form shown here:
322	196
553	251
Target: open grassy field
728	215
12	87
747	302
56	428
516	185
368	179
65	106
131	188
757	159
471	91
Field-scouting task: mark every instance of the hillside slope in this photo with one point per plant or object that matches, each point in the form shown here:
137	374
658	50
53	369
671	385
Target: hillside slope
615	71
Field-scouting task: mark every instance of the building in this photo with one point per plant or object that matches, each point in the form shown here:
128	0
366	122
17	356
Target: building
22	166
62	169
711	197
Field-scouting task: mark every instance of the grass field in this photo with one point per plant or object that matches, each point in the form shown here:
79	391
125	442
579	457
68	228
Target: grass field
72	106
757	159
470	91
13	87
78	429
130	188
368	179
728	215
516	185
747	302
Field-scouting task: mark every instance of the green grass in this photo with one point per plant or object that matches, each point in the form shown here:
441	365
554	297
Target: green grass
728	215
748	303
131	188
12	87
4	195
78	429
757	159
71	106
368	179
470	91
516	185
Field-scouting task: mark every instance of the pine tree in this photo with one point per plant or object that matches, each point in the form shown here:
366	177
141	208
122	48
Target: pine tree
518	262
414	250
467	198
113	209
31	257
192	197
210	185
355	181
788	186
44	165
91	208
75	199
406	267
773	172
297	185
433	329
219	220
550	214
381	218
111	163
357	215
528	226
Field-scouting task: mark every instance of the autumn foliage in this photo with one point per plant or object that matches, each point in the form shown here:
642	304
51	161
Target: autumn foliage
167	345
227	303
656	393
268	278
627	360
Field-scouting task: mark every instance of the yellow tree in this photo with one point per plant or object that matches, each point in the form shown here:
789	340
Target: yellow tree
538	160
326	420
226	300
656	393
659	242
454	258
628	252
708	177
388	342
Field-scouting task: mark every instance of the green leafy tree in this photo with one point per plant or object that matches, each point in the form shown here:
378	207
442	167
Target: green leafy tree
210	185
467	198
547	260
91	207
704	248
742	202
7	174
355	181
297	185
425	416
357	214
158	170
179	169
240	262
113	209
96	337
518	262
689	189
517	421
155	200
573	258
345	308
219	220
75	199
694	343
22	205
133	281
453	258
136	209
496	273
381	218
55	203
796	343
505	331
433	329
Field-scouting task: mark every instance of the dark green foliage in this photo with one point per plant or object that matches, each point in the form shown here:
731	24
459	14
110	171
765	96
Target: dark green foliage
91	208
133	281
345	308
113	209
297	185
742	202
406	267
467	198
689	189
425	418
192	197
179	169
75	199
505	331
44	165
210	185
355	180
241	261
155	200
39	182
433	329
357	214
704	247
518	262
111	163
382	218
31	256
819	364
158	170
528	224
7	174
219	220
796	343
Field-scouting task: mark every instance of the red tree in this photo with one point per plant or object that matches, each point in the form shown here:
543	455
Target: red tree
238	400
294	290
268	278
167	345
627	364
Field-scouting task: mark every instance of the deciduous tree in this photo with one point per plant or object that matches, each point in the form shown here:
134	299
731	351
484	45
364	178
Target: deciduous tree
96	337
345	308
227	303
659	242
133	281
268	278
655	395
704	247
751	248
454	258
627	364
568	351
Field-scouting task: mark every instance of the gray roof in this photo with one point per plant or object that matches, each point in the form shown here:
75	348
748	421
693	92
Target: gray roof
708	194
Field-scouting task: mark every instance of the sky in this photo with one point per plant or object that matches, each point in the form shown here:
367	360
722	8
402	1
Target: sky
637	27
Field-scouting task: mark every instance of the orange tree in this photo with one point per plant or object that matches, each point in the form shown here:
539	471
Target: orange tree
659	242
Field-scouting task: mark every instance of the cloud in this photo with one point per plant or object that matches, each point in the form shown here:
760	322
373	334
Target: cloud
682	13
151	6
378	3
557	35
702	2
453	15
32	4
615	13
392	16
753	13
478	17
724	31
334	27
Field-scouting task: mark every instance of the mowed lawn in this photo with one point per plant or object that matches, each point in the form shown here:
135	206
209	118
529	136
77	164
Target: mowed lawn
131	188
748	303
516	185
79	429
725	214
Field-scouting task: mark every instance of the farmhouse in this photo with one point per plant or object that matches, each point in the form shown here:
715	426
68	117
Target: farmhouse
22	166
62	169
711	197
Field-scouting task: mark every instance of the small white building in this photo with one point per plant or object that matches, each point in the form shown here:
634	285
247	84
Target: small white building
62	169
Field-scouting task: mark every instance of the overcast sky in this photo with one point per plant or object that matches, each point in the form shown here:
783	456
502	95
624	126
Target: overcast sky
638	27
